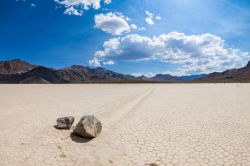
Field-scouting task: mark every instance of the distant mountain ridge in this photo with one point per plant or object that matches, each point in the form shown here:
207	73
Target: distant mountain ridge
192	77
229	76
72	74
166	77
19	71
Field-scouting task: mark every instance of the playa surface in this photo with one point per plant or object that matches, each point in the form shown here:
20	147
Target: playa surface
165	124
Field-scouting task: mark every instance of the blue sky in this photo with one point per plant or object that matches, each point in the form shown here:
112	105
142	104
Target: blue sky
180	37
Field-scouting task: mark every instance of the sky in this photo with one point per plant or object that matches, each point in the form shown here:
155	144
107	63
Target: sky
138	37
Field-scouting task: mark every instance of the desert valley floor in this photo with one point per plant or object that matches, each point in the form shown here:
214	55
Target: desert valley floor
164	124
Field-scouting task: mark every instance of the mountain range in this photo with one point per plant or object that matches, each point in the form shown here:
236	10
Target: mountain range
19	71
229	76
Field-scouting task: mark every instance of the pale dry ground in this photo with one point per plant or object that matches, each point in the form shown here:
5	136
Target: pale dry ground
166	124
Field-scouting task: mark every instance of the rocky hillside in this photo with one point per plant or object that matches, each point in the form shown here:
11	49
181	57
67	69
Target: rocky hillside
230	76
16	66
26	73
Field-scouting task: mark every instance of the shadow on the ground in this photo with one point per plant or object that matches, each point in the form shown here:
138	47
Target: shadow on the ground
76	138
55	126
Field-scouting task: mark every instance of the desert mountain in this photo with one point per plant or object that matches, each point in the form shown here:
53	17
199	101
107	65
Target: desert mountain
166	78
143	77
230	76
192	77
16	66
19	71
170	78
78	73
72	74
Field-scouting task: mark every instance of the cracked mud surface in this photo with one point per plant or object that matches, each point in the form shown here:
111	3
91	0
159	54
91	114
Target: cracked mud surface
143	124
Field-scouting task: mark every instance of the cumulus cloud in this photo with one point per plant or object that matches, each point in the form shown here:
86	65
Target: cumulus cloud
149	75
114	23
194	53
77	7
108	63
95	62
72	11
149	18
135	27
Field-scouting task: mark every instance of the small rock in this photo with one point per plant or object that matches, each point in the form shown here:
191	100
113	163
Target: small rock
88	127
153	164
65	122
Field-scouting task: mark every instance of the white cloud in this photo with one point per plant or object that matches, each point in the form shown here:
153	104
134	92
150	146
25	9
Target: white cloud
149	14
194	53
77	7
127	18
113	23
33	5
72	11
107	1
158	17
95	62
149	19
135	27
108	63
149	75
141	28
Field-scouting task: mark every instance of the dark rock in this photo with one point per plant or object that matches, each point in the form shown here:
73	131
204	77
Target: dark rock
65	122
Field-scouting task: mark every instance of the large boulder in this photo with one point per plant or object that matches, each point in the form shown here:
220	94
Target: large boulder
65	122
88	127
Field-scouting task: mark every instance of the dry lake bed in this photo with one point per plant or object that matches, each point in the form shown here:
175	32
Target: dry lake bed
143	124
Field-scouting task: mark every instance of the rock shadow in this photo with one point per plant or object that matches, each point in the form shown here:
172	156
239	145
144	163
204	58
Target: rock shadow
76	138
55	126
152	164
